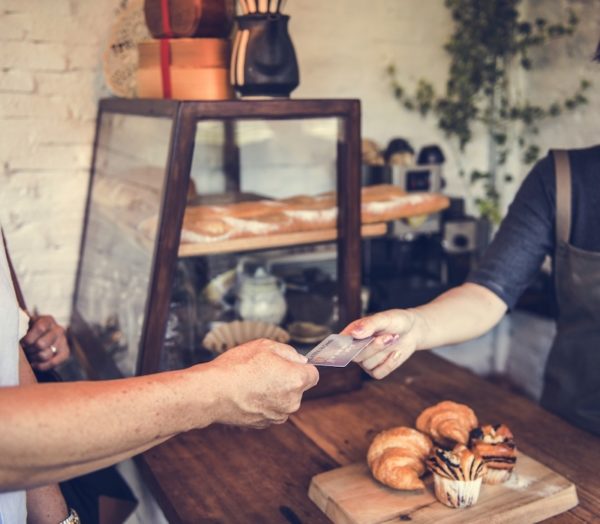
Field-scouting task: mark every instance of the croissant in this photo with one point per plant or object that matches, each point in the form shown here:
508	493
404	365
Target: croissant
396	457
447	423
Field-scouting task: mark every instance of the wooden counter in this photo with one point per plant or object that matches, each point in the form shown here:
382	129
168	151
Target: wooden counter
231	475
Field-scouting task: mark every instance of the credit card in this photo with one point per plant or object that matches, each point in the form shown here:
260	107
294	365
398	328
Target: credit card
337	350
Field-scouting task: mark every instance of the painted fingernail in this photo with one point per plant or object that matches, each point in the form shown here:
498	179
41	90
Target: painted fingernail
389	339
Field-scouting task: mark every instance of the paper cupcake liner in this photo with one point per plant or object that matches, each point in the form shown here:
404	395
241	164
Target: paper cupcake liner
226	336
456	493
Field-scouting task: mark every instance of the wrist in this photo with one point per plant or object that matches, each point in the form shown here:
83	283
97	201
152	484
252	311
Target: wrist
205	386
72	518
419	327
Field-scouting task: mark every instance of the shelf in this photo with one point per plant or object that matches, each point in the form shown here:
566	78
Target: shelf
274	241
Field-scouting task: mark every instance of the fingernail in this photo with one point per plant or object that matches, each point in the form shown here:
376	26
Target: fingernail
358	330
389	339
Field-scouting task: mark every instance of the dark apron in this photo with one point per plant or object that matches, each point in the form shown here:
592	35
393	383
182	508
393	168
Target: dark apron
572	378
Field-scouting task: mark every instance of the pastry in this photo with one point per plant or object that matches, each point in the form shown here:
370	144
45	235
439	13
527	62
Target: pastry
306	202
318	212
402	206
215	227
270	224
457	476
496	447
447	423
396	457
244	219
380	203
252	209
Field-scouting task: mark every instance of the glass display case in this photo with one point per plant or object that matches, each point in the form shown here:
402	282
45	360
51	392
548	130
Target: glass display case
209	223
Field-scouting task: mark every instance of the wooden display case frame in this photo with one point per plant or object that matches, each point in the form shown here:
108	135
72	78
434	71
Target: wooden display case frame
184	116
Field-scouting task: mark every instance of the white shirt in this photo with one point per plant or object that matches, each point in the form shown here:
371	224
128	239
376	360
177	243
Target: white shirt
12	505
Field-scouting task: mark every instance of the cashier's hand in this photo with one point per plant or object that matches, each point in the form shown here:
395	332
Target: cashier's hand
263	383
45	343
396	339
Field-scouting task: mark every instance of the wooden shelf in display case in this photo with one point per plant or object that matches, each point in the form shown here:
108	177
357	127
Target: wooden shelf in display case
273	241
141	216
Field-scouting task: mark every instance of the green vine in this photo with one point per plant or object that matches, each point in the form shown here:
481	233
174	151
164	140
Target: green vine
489	42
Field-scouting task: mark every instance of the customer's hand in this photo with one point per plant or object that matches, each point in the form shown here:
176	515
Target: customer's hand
396	334
45	343
263	382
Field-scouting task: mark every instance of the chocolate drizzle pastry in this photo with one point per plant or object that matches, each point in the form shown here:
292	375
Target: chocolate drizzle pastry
495	445
458	464
457	476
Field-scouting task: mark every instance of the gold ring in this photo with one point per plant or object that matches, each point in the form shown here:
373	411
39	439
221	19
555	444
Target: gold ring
54	350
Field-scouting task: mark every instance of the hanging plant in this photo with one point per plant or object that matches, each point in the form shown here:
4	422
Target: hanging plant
489	43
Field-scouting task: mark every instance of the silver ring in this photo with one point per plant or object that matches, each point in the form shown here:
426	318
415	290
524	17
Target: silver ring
54	350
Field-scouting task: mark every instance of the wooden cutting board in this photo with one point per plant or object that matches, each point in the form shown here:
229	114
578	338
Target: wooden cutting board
350	495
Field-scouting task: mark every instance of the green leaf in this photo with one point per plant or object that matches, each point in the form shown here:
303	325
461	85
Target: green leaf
489	37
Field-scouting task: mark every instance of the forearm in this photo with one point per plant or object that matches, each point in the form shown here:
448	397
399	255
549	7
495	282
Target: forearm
46	475
45	504
462	313
54	431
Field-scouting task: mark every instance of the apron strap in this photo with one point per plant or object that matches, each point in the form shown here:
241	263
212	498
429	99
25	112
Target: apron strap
13	276
562	169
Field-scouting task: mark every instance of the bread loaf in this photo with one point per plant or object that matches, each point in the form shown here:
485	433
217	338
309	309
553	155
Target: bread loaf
380	203
402	206
318	212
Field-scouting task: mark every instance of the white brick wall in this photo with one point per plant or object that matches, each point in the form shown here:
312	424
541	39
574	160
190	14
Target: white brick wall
51	79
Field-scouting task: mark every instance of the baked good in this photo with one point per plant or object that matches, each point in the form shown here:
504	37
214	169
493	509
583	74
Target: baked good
261	225
380	203
447	423
396	457
495	445
242	219
312	212
253	209
402	206
457	476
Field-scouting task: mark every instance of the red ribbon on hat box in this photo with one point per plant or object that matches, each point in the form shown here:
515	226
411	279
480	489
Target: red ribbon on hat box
165	49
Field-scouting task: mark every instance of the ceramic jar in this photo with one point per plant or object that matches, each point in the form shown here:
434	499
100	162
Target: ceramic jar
261	297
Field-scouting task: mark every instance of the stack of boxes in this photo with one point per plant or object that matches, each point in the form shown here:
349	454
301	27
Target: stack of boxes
189	57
